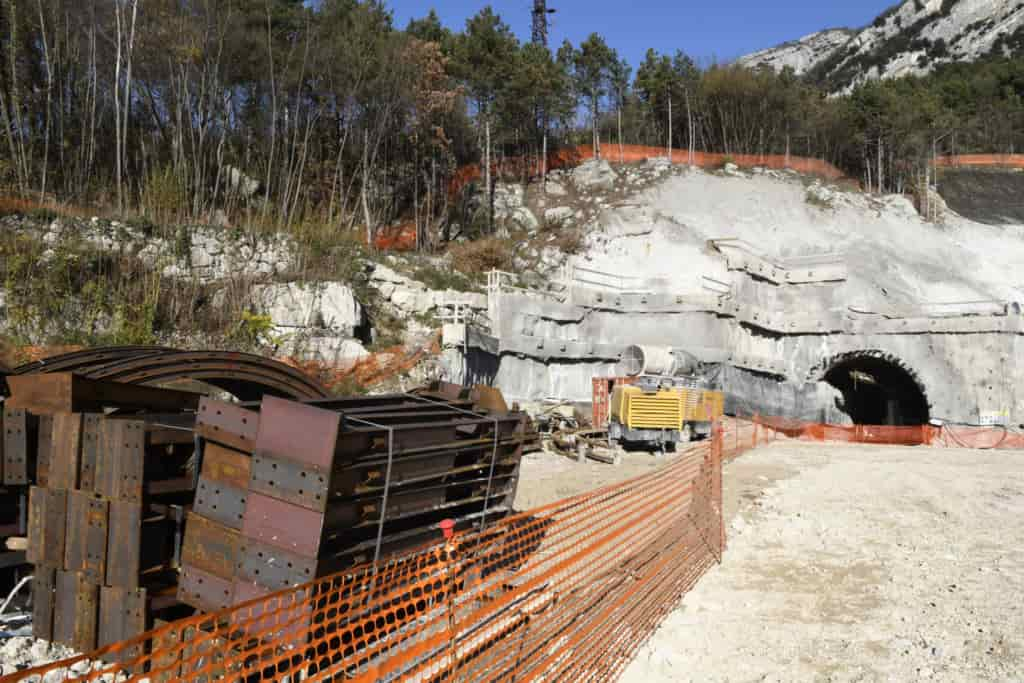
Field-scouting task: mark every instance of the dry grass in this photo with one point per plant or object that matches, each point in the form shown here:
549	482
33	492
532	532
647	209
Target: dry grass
478	257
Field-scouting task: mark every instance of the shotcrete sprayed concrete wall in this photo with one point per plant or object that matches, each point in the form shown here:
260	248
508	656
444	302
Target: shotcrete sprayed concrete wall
963	363
806	312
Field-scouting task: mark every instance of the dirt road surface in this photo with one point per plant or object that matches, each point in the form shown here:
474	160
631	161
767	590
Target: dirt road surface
546	477
857	563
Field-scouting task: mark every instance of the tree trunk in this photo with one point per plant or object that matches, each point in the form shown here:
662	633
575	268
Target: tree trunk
49	98
881	172
117	109
690	131
670	129
621	153
490	180
544	162
366	183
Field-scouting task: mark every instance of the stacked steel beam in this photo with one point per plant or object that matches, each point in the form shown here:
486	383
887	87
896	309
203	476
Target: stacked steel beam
108	504
148	503
24	448
291	491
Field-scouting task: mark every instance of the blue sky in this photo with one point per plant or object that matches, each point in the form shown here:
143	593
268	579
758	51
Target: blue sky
721	29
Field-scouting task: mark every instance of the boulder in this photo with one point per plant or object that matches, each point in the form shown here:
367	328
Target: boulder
555	188
317	305
336	351
658	164
338	308
595	174
241	183
508	197
559	215
524	219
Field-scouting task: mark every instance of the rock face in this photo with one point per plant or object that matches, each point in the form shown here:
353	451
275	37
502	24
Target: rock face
911	38
510	210
559	214
317	305
204	254
411	299
800	55
786	289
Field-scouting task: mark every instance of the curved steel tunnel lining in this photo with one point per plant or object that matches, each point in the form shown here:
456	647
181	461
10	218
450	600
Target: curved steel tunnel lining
246	376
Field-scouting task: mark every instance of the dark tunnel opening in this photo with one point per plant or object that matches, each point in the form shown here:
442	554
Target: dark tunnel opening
877	391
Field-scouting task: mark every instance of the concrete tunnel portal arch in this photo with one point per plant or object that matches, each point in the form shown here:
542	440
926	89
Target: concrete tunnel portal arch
877	389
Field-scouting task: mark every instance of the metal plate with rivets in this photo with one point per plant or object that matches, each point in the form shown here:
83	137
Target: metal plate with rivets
220	502
274	567
290	481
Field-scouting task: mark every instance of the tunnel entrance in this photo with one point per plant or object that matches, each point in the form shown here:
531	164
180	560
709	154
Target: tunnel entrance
878	390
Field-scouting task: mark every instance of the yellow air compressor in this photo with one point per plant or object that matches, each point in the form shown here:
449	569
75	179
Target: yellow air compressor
666	406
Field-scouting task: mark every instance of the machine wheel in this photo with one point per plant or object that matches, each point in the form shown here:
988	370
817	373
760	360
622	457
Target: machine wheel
686	435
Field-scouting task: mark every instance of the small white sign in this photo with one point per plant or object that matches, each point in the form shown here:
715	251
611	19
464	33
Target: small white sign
992	418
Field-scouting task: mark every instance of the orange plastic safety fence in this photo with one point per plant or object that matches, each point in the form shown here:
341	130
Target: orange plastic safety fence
739	433
531	166
1003	160
568	591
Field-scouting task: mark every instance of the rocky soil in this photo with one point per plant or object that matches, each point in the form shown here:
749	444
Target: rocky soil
856	563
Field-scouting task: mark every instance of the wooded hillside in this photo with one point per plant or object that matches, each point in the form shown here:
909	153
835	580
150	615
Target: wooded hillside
277	113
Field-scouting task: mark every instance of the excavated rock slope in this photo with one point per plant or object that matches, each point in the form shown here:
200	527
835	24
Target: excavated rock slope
789	285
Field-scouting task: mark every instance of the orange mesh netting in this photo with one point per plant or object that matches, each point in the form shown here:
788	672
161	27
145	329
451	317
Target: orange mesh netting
529	166
1003	160
565	592
402	237
568	591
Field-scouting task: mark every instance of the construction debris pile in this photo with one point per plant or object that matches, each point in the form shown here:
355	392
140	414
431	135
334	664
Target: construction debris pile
147	503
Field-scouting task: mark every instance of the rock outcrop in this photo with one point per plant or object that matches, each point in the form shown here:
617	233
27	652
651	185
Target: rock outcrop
594	174
910	38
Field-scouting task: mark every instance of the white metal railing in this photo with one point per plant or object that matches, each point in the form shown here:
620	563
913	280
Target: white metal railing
944	309
622	284
823	258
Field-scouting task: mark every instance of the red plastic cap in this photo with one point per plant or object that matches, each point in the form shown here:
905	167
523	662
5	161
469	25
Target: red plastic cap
448	527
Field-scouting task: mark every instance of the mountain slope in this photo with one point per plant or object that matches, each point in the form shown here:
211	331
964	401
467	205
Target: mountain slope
907	39
801	55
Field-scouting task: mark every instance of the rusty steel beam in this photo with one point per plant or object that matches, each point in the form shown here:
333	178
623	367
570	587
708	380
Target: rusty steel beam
66	451
44	581
124	544
122	615
19	439
205	591
76	611
211	547
245	375
121	462
223	485
47	526
85	545
79	360
44	449
228	424
321	485
70	393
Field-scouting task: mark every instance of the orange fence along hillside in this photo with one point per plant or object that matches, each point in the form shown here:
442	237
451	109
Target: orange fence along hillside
985	160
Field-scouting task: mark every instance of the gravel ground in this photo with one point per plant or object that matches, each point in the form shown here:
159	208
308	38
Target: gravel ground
857	563
546	477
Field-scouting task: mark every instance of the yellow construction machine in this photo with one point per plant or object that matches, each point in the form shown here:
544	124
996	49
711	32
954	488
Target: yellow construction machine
666	404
